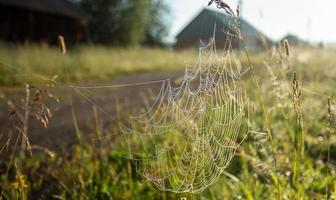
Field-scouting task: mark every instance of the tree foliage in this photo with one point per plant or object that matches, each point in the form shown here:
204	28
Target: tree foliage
127	22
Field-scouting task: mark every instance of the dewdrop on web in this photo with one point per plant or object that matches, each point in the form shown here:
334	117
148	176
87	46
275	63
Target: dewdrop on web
188	137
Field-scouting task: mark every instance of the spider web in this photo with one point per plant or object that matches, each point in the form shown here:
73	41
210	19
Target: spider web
186	139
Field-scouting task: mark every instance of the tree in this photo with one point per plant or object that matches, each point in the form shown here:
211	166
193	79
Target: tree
127	22
157	23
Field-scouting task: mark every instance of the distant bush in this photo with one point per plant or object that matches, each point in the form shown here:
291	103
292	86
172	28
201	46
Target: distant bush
119	22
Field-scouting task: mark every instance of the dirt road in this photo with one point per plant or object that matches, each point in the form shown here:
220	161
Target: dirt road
109	101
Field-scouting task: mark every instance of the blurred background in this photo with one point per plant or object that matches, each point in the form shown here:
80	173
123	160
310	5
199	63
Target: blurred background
62	102
106	38
154	22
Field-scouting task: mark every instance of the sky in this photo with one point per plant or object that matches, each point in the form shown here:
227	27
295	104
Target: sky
312	20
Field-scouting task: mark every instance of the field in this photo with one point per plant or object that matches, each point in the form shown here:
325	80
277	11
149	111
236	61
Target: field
87	63
288	148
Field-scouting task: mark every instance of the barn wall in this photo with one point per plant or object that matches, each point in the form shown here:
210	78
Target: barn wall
202	28
20	25
195	43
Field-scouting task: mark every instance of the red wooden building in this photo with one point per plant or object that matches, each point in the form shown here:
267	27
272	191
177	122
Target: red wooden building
41	21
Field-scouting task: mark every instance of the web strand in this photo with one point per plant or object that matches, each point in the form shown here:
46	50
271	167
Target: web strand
186	139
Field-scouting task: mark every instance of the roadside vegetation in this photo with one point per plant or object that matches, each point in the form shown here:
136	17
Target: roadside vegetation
297	161
85	62
27	63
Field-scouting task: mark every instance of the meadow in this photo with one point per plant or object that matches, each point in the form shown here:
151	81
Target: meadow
289	154
88	63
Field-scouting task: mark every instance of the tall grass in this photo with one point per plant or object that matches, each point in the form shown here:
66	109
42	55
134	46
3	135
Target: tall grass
299	109
88	63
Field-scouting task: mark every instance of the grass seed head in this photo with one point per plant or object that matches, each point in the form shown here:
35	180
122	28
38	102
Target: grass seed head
61	44
222	5
286	47
329	105
330	113
296	93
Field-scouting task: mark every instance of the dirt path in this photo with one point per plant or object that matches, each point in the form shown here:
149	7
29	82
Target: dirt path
60	132
109	101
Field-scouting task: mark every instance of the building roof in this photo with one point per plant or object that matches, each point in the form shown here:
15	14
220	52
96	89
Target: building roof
293	40
206	19
58	7
245	27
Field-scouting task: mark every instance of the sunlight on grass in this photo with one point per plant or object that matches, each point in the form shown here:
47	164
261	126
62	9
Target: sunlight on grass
301	111
89	63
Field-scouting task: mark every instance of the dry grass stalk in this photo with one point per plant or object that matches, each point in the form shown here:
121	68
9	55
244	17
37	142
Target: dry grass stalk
61	44
47	151
24	140
296	95
33	106
97	122
266	117
329	105
286	47
330	113
299	137
331	125
222	5
21	111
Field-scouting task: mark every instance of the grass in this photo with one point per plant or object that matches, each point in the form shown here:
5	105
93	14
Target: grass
86	63
301	116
